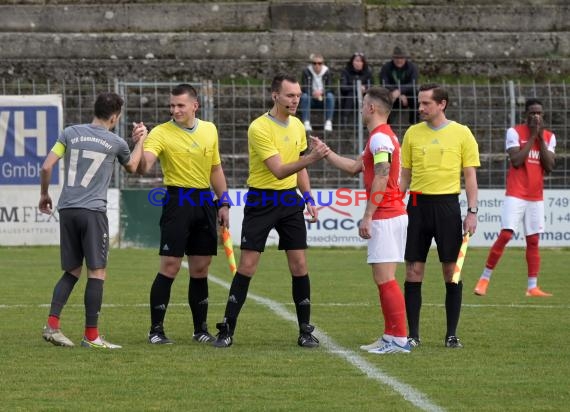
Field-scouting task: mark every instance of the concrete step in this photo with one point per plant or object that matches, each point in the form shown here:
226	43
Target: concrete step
99	17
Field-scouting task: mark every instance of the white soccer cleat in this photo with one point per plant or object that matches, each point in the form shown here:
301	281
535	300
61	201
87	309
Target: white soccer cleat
391	347
98	343
376	344
55	337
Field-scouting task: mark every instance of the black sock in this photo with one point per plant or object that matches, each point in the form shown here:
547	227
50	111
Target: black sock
413	297
453	297
61	292
198	301
93	299
159	298
301	288
236	299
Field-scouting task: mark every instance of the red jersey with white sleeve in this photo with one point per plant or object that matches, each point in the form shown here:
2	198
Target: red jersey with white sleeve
527	181
383	140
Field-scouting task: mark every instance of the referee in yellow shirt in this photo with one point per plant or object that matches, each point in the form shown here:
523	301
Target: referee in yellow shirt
187	148
434	154
277	168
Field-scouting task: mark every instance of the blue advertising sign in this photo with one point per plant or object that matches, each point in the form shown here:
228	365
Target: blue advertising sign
29	127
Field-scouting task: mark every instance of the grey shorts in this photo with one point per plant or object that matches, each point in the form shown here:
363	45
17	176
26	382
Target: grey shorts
84	233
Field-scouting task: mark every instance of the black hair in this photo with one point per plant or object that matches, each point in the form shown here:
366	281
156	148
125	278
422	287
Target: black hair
531	102
381	95
107	104
439	93
184	88
278	80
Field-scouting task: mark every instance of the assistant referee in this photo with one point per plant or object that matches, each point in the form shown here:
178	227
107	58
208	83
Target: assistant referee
434	154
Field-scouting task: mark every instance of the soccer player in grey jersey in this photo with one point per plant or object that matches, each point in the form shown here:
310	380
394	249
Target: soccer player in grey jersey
89	152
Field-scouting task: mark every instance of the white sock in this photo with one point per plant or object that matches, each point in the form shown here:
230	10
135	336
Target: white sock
388	338
487	273
532	282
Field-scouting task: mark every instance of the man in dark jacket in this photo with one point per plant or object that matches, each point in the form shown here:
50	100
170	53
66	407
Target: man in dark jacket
400	76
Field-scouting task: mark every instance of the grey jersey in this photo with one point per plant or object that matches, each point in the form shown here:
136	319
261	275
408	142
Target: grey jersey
90	153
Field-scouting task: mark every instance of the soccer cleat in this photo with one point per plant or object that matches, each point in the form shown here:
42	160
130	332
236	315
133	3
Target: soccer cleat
203	337
414	342
481	287
374	345
391	347
56	337
224	338
453	342
328	126
156	336
308	127
99	343
306	339
159	338
536	292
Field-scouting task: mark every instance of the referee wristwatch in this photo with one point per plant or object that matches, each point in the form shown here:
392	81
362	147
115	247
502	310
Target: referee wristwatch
473	210
222	204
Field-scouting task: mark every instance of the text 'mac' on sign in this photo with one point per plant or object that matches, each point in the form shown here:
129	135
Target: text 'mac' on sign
29	127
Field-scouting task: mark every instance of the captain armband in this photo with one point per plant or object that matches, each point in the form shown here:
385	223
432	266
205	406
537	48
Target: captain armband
59	149
382	157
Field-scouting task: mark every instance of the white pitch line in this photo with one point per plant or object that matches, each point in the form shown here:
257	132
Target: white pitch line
410	394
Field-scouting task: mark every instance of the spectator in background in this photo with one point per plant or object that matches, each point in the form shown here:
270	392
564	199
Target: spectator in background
356	69
400	76
317	92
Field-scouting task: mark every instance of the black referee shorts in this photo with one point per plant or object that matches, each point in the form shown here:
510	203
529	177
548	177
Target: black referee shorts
433	217
281	210
188	223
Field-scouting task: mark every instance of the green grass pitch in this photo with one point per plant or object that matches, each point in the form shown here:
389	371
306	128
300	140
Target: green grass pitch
516	354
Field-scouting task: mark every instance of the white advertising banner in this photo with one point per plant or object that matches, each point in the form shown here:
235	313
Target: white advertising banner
22	223
340	211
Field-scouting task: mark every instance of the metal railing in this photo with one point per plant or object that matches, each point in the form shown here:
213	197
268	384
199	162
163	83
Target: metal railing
488	109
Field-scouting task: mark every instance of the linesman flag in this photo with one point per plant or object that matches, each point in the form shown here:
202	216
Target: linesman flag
460	259
229	249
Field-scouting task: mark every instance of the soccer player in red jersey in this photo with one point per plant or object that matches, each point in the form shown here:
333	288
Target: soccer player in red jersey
531	152
385	219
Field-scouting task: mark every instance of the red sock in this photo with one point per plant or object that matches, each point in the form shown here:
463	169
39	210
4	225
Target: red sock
53	322
498	248
91	333
393	308
532	255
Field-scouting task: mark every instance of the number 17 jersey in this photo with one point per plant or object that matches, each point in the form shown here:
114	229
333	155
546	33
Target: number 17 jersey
89	162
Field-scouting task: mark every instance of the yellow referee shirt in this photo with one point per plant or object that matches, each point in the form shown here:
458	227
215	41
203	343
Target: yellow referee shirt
437	157
186	156
267	137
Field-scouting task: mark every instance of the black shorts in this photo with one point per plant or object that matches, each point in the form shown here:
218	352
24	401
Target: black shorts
281	210
188	223
434	217
83	234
